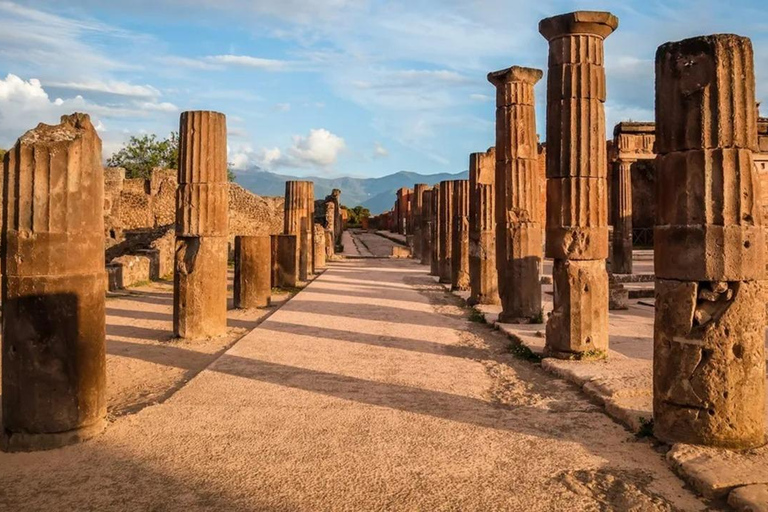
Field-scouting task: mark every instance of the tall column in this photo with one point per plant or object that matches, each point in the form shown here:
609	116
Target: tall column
460	236
708	360
320	249
53	325
621	202
518	202
577	216
202	204
445	230
434	264
426	226
252	284
483	278
297	195
416	214
309	228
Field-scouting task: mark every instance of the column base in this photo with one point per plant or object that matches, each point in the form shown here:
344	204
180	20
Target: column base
27	442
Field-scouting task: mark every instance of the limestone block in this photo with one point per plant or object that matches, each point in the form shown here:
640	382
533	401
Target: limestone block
709	253
135	269
705	94
578	324
749	498
577	216
713	186
253	281
709	363
200	287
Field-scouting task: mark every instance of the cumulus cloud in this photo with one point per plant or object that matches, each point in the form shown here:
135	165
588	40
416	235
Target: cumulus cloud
320	149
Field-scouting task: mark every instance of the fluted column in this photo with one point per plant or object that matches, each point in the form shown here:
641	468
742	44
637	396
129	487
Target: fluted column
53	322
434	266
200	271
445	230
709	360
483	281
296	222
621	191
309	229
460	236
426	226
577	216
518	210
416	215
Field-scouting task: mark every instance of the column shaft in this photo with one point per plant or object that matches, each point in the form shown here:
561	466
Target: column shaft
621	191
460	236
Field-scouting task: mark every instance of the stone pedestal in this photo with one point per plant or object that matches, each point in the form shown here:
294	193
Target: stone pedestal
297	222
460	236
621	192
53	330
577	216
202	202
252	285
709	361
445	231
483	280
518	202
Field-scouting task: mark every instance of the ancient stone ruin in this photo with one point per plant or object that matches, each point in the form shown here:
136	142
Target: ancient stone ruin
253	271
577	217
483	279
445	230
709	361
460	236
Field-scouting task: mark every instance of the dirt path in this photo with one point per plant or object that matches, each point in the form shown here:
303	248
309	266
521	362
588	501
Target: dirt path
369	390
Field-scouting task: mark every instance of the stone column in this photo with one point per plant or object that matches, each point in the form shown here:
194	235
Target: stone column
202	204
621	202
309	228
416	215
445	231
708	361
287	261
577	212
483	278
518	203
53	325
320	250
434	258
296	223
252	285
460	236
426	226
330	229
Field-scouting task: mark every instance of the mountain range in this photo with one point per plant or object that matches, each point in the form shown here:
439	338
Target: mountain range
376	194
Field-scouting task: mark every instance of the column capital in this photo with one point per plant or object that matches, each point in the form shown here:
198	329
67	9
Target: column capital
515	74
593	23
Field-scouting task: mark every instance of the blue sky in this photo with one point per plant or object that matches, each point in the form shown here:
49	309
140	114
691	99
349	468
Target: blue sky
323	87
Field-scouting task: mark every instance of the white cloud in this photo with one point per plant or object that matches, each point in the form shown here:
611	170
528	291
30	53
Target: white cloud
282	107
481	97
158	107
110	87
248	61
320	149
380	151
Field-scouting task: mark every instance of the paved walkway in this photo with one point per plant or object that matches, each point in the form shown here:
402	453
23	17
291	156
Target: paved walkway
369	390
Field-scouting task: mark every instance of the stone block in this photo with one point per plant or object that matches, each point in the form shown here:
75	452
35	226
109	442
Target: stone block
202	209
574	148
709	253
135	269
705	94
709	363
578	324
518	263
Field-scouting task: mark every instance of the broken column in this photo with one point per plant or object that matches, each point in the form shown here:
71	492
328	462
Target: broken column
296	223
286	261
434	259
253	272
483	279
53	331
320	251
577	216
445	231
708	361
426	226
460	236
403	210
416	215
202	203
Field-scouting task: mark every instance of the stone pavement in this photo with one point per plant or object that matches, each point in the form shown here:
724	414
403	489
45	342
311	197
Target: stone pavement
370	389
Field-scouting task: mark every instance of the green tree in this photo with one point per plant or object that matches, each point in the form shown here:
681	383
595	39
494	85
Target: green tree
142	154
356	215
2	153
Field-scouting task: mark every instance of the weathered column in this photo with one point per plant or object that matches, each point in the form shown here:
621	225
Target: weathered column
287	261
330	229
320	251
460	236
426	222
296	223
253	272
577	216
708	361
483	279
309	228
53	330
403	208
202	204
434	258
416	215
445	230
621	202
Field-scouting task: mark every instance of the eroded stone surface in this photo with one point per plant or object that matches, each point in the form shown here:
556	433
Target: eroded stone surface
483	277
460	236
445	230
252	284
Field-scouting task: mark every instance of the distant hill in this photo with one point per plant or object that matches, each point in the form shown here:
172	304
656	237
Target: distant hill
376	194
